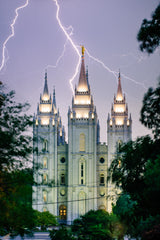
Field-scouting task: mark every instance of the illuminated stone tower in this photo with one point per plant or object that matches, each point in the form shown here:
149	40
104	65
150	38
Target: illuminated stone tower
119	130
48	135
72	178
82	149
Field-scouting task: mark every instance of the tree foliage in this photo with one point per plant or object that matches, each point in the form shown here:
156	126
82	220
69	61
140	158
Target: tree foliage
15	143
61	234
15	179
16	214
149	33
98	225
44	219
150	112
132	169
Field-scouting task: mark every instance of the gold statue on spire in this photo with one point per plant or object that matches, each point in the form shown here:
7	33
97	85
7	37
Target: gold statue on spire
83	50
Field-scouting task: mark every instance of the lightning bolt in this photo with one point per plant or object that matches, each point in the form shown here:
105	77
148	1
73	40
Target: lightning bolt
79	56
102	63
12	34
71	42
64	49
114	72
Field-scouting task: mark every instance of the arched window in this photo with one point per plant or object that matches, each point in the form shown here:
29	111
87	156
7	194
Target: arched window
63	212
102	179
45	163
81	172
62	179
45	209
82	142
44	178
44	196
45	145
119	144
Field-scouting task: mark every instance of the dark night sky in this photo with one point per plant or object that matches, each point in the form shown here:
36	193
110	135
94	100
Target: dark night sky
108	30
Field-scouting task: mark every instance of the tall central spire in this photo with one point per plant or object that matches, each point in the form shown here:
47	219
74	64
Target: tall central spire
83	83
45	95
119	96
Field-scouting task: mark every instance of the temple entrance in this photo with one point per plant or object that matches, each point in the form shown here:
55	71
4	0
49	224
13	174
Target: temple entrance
63	212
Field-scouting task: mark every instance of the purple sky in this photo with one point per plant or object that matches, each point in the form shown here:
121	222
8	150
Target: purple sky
107	28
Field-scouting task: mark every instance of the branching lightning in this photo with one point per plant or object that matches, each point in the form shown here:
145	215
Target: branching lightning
114	72
76	49
99	61
4	60
71	42
68	35
64	49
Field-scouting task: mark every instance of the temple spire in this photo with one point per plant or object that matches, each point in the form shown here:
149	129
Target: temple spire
119	96
45	90
83	83
54	97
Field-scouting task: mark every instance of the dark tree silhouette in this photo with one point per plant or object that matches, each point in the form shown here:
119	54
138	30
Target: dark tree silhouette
149	33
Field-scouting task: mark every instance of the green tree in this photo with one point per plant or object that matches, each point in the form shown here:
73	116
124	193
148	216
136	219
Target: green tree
150	112
98	225
16	214
129	171
125	209
149	33
15	180
15	143
45	219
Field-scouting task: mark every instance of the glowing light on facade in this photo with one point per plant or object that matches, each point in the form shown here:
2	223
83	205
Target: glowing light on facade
119	122
45	97
45	121
119	109
45	108
36	121
119	98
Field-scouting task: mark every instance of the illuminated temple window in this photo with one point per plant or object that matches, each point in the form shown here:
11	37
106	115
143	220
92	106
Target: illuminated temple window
36	121
44	162
45	121
119	122
128	122
53	122
45	108
110	122
63	212
61	132
45	97
82	142
78	115
44	196
119	109
44	178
